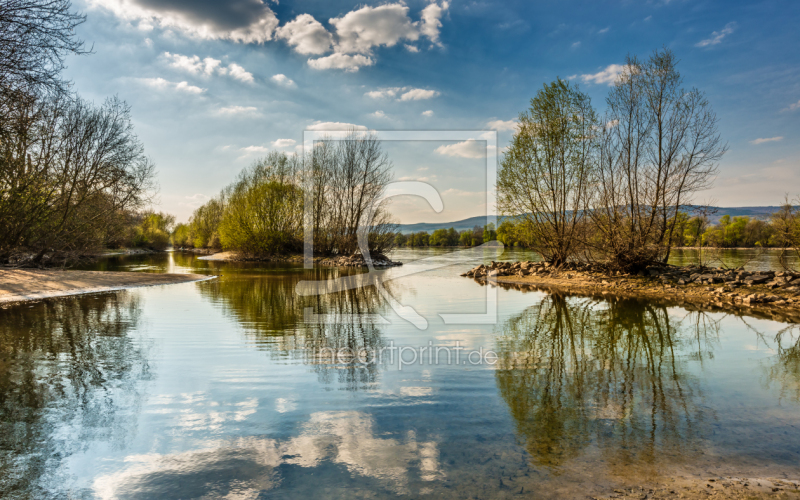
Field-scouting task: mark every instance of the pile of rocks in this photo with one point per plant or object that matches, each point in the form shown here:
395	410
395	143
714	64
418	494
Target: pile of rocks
526	268
357	260
668	275
731	278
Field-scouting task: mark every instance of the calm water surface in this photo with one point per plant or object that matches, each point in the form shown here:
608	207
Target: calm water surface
220	389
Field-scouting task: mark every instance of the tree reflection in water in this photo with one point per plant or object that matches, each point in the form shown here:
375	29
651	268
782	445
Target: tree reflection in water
783	370
273	316
578	373
68	373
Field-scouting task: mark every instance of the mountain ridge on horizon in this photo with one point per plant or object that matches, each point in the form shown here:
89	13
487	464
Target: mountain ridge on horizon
481	220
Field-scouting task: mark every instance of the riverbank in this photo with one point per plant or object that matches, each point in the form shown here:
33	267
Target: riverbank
766	292
19	285
727	488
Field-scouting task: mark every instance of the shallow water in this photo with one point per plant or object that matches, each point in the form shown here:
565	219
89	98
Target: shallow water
238	388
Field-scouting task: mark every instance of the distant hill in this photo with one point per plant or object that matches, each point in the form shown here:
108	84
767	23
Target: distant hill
460	225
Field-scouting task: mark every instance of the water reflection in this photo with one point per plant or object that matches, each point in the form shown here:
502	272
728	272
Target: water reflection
68	376
577	373
783	370
328	443
276	319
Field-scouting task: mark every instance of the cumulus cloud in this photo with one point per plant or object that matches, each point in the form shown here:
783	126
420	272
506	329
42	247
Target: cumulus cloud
355	35
501	125
466	149
245	21
193	64
609	75
341	61
766	139
717	36
240	73
283	81
284	143
418	94
334	126
360	30
431	21
207	67
306	35
352	37
428	113
402	93
162	84
238	110
378	114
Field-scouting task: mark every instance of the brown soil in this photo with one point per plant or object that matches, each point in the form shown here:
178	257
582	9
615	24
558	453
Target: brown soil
17	285
716	488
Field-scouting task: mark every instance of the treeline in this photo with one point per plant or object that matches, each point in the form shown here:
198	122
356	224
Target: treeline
780	230
262	212
73	175
448	237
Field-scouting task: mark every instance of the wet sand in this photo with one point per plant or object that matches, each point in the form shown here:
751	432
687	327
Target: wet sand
17	285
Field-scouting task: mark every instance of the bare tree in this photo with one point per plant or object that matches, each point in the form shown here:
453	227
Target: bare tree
35	37
659	147
546	171
348	180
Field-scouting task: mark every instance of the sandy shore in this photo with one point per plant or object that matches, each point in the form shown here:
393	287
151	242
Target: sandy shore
17	285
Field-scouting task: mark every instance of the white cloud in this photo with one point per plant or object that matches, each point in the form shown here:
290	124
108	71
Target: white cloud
501	125
245	21
240	73
405	93
283	81
334	126
428	113
575	45
160	83
306	35
253	150
383	93
766	139
418	94
193	64
360	30
609	75
207	67
604	30
794	106
238	110
378	114
284	143
466	149
411	48
717	36
341	61
431	21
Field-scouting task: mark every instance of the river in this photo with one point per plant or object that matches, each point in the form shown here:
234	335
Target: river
238	387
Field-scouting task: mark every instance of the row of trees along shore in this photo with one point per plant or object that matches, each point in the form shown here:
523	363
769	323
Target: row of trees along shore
612	188
693	229
262	212
74	177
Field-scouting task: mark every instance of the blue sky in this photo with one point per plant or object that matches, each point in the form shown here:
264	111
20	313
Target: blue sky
215	84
